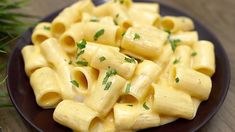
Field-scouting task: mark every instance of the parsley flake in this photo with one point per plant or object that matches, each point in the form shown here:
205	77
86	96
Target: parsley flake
174	43
108	85
130	105
123	34
80	53
128	88
109	73
115	22
70	62
194	54
145	106
102	59
47	28
75	83
98	34
176	61
82	63
177	80
137	36
130	60
82	44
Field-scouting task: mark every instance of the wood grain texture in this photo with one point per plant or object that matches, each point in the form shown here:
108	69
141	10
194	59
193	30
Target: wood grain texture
218	15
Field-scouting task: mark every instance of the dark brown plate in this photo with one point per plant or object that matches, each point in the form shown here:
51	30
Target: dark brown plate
22	95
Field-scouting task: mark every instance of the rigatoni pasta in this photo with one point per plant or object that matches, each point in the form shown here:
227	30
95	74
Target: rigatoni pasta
120	66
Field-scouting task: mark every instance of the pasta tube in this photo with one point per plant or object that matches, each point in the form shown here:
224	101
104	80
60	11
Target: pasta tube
148	7
33	59
146	42
195	83
124	65
146	72
176	24
76	116
41	33
186	38
183	56
204	59
85	77
55	55
107	93
168	101
70	16
46	87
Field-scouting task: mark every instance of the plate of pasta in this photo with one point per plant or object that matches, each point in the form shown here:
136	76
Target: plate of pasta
119	66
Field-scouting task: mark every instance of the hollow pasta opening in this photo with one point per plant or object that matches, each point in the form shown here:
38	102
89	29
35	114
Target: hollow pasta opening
168	24
68	42
96	124
50	98
126	24
58	28
81	79
40	38
128	99
205	71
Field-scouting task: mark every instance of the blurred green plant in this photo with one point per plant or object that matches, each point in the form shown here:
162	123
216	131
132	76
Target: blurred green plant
12	24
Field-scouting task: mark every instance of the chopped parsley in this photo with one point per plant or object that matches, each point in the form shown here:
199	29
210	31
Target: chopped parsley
70	62
109	73
108	85
94	19
82	63
128	88
174	43
102	59
117	15
47	28
145	106
98	34
123	34
80	53
176	61
115	22
75	83
82	44
130	60
177	80
130	105
194	54
137	36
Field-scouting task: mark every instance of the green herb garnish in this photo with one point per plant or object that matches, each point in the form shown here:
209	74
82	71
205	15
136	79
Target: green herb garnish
177	80
123	34
109	73
82	63
176	61
130	105
128	88
115	22
94	19
137	36
102	59
47	28
194	54
108	85
82	44
80	53
174	43
98	34
70	62
130	60
75	83
145	106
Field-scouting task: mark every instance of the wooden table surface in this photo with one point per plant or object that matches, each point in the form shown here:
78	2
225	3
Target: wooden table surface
218	15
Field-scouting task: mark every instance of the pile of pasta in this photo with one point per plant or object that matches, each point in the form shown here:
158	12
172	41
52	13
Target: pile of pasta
120	66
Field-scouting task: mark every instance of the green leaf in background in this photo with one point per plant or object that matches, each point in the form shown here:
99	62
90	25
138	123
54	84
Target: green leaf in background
12	25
